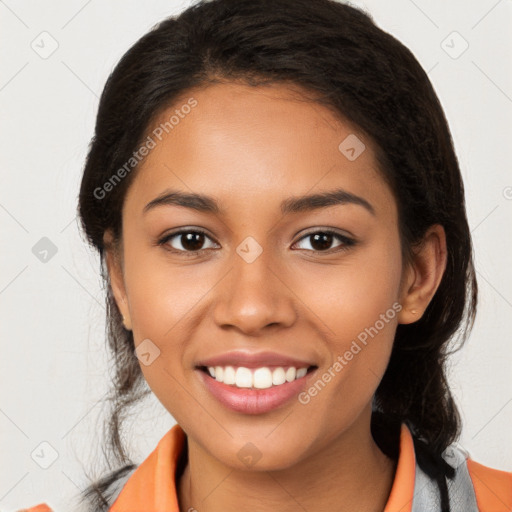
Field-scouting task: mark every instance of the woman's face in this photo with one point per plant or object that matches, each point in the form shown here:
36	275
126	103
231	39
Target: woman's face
260	279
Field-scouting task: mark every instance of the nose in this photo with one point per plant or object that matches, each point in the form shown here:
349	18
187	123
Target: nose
254	296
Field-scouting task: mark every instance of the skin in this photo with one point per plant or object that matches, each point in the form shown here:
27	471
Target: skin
251	148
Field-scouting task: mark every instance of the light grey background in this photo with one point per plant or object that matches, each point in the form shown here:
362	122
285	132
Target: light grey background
54	367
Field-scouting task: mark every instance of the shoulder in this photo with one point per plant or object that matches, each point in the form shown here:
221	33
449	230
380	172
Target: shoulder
106	490
493	487
116	486
472	487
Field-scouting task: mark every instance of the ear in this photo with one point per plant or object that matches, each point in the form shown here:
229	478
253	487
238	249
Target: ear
115	270
423	275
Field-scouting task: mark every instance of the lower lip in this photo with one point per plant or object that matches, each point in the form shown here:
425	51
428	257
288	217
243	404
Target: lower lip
254	401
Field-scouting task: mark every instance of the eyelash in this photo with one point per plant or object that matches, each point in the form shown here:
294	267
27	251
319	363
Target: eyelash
347	242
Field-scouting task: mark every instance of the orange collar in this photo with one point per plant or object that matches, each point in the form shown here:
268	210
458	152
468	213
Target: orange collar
152	486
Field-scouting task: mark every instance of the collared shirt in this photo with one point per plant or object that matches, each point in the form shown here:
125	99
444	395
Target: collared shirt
151	487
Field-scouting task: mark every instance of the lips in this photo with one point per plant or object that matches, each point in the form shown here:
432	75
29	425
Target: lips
254	360
258	398
254	401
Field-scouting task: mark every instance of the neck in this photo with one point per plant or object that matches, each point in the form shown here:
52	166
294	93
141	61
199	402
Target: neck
351	473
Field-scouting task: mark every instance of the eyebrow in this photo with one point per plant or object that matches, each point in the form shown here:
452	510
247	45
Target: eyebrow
297	204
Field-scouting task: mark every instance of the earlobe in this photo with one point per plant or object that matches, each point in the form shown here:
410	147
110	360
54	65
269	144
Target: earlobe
115	272
424	275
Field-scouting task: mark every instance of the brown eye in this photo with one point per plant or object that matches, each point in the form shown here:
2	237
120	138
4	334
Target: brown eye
185	241
321	241
192	241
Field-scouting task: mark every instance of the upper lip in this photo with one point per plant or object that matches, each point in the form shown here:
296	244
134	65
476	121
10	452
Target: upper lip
254	360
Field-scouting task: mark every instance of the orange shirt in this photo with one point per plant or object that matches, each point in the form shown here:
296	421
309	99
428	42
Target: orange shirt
148	489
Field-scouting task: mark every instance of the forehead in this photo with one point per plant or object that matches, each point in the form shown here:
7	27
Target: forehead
243	143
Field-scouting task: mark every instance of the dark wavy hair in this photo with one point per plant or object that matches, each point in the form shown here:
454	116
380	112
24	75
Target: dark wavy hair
340	59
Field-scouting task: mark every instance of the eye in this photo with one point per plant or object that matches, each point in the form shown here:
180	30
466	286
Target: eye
189	241
322	240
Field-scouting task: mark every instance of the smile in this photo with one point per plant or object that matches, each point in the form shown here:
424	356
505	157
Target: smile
255	390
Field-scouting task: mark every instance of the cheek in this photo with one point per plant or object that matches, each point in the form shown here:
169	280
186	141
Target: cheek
160	298
352	296
358	307
160	294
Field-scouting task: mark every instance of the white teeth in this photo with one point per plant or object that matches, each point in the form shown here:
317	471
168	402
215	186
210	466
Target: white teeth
258	378
290	374
229	375
278	376
301	372
243	378
262	378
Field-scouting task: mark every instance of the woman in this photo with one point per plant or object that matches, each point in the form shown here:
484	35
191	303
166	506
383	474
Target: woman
279	211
